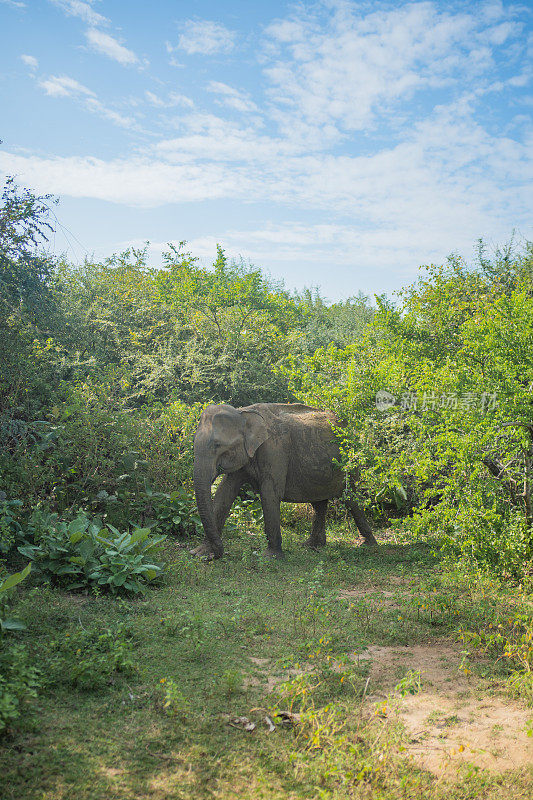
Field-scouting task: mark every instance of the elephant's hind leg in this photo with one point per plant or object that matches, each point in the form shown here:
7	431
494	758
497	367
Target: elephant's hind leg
361	521
318	531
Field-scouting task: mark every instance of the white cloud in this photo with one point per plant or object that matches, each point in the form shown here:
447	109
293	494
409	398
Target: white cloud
138	182
206	137
30	61
94	105
107	45
233	98
367	259
447	183
63	86
339	245
174	99
14	3
359	67
83	10
447	174
205	37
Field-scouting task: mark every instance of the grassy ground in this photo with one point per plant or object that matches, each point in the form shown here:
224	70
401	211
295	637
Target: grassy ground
154	708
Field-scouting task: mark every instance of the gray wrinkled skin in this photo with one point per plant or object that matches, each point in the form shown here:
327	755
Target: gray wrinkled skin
286	451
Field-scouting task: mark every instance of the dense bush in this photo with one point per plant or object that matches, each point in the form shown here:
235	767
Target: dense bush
7	584
10	525
84	554
86	445
88	658
453	441
19	680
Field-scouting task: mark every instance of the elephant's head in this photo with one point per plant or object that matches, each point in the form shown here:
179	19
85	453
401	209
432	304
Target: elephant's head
225	441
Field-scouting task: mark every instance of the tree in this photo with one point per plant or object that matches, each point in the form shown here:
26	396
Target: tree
456	448
27	309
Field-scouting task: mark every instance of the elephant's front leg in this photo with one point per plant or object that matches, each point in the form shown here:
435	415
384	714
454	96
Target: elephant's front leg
225	495
318	531
270	501
226	492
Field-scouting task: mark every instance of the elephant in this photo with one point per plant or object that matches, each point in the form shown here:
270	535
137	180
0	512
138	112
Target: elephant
285	451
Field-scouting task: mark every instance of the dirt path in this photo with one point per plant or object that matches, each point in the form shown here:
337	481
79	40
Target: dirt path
451	718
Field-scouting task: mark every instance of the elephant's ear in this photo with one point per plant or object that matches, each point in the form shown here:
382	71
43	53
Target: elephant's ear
255	431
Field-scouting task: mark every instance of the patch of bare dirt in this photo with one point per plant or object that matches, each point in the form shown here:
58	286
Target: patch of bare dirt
113	772
269	677
260	662
377	595
264	675
450	721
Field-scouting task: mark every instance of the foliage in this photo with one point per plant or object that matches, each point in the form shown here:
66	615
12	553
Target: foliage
174	512
86	554
108	365
19	682
10	527
29	316
180	332
456	447
87	445
6	586
88	658
173	701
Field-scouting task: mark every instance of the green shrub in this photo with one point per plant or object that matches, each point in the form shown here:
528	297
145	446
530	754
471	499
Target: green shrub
172	513
87	554
476	533
89	657
452	445
173	701
7	584
90	453
10	527
19	682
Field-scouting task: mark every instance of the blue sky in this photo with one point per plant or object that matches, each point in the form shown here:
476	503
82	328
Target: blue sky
334	143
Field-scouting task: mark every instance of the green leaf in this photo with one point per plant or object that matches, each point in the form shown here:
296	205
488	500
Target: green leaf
12	625
78	524
401	491
14	579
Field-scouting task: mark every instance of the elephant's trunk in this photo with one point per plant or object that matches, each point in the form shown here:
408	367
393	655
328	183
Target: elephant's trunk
203	478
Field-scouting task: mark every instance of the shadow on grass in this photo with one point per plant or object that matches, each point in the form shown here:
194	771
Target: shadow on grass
422	553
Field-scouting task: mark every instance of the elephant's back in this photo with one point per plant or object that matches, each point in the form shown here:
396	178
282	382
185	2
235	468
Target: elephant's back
313	474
